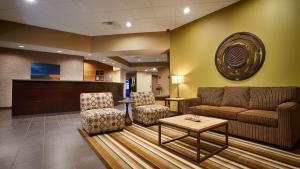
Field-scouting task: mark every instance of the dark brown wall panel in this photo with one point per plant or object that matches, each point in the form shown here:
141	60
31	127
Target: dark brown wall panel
38	97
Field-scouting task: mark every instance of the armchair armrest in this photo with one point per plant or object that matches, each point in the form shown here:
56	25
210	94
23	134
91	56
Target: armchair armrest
288	123
190	102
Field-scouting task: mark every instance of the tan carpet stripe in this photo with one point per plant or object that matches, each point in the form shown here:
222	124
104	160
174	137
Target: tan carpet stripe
231	154
161	152
145	153
111	152
133	160
184	147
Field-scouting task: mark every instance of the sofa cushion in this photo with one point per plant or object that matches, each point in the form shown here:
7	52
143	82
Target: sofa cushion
261	117
268	98
224	112
211	95
236	97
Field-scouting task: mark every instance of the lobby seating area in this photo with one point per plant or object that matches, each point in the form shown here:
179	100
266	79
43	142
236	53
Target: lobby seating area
142	84
266	114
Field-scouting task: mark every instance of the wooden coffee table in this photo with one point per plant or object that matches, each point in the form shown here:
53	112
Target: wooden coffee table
207	123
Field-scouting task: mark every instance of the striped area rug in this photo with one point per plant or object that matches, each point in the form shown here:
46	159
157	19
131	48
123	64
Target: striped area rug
136	147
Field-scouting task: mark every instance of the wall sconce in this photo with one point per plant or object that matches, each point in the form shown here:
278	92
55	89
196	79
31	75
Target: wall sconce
177	79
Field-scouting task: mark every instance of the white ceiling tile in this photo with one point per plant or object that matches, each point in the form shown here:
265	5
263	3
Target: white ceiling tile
143	13
156	3
165	11
137	4
86	16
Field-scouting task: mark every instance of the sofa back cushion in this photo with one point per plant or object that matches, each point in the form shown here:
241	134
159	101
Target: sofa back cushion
268	98
236	97
211	95
90	101
142	98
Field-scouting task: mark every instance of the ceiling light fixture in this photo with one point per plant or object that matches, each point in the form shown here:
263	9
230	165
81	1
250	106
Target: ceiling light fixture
128	24
21	46
59	51
186	10
30	1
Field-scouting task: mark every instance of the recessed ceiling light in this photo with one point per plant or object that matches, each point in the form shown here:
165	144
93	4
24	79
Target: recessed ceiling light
186	10
146	70
30	1
21	46
59	51
128	24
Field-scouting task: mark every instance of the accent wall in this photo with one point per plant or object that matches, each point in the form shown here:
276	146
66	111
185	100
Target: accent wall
275	22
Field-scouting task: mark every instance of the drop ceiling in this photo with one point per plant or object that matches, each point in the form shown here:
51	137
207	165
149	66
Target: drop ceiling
86	16
136	59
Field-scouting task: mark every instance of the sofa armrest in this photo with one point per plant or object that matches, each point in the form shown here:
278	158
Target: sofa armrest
190	102
288	123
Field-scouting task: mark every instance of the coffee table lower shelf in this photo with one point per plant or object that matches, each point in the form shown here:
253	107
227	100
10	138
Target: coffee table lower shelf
198	158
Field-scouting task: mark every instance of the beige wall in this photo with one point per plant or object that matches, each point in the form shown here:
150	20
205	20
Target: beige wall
143	81
20	33
16	64
141	42
276	22
164	80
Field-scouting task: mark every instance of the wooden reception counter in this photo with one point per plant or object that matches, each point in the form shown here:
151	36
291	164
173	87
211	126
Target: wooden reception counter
39	96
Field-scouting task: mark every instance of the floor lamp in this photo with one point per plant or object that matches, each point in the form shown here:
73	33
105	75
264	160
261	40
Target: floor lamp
177	79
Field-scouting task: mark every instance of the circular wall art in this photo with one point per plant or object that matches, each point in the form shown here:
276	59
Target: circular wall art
240	56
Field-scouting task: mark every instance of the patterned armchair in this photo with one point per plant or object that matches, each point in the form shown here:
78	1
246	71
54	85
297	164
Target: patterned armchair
145	110
98	115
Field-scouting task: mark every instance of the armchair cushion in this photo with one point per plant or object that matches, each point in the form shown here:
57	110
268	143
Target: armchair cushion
149	114
142	98
102	120
89	101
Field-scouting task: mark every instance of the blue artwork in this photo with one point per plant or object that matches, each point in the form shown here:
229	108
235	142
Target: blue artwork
44	71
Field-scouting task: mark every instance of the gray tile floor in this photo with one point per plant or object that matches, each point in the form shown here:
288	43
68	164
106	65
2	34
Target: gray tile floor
47	142
44	142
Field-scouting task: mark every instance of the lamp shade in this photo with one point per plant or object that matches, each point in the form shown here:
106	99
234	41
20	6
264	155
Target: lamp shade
177	79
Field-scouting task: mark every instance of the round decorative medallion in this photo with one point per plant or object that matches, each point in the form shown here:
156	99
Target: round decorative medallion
240	56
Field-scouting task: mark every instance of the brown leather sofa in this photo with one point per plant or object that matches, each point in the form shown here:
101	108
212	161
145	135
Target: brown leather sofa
267	114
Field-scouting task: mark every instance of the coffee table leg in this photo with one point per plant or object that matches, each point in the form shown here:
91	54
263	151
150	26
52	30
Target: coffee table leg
159	133
226	140
198	147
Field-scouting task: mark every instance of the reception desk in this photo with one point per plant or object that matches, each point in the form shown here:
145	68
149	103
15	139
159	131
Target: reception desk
39	96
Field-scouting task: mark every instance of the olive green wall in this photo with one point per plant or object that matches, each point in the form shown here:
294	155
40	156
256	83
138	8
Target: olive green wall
276	22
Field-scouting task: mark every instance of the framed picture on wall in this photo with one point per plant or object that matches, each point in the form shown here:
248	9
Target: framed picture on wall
45	71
